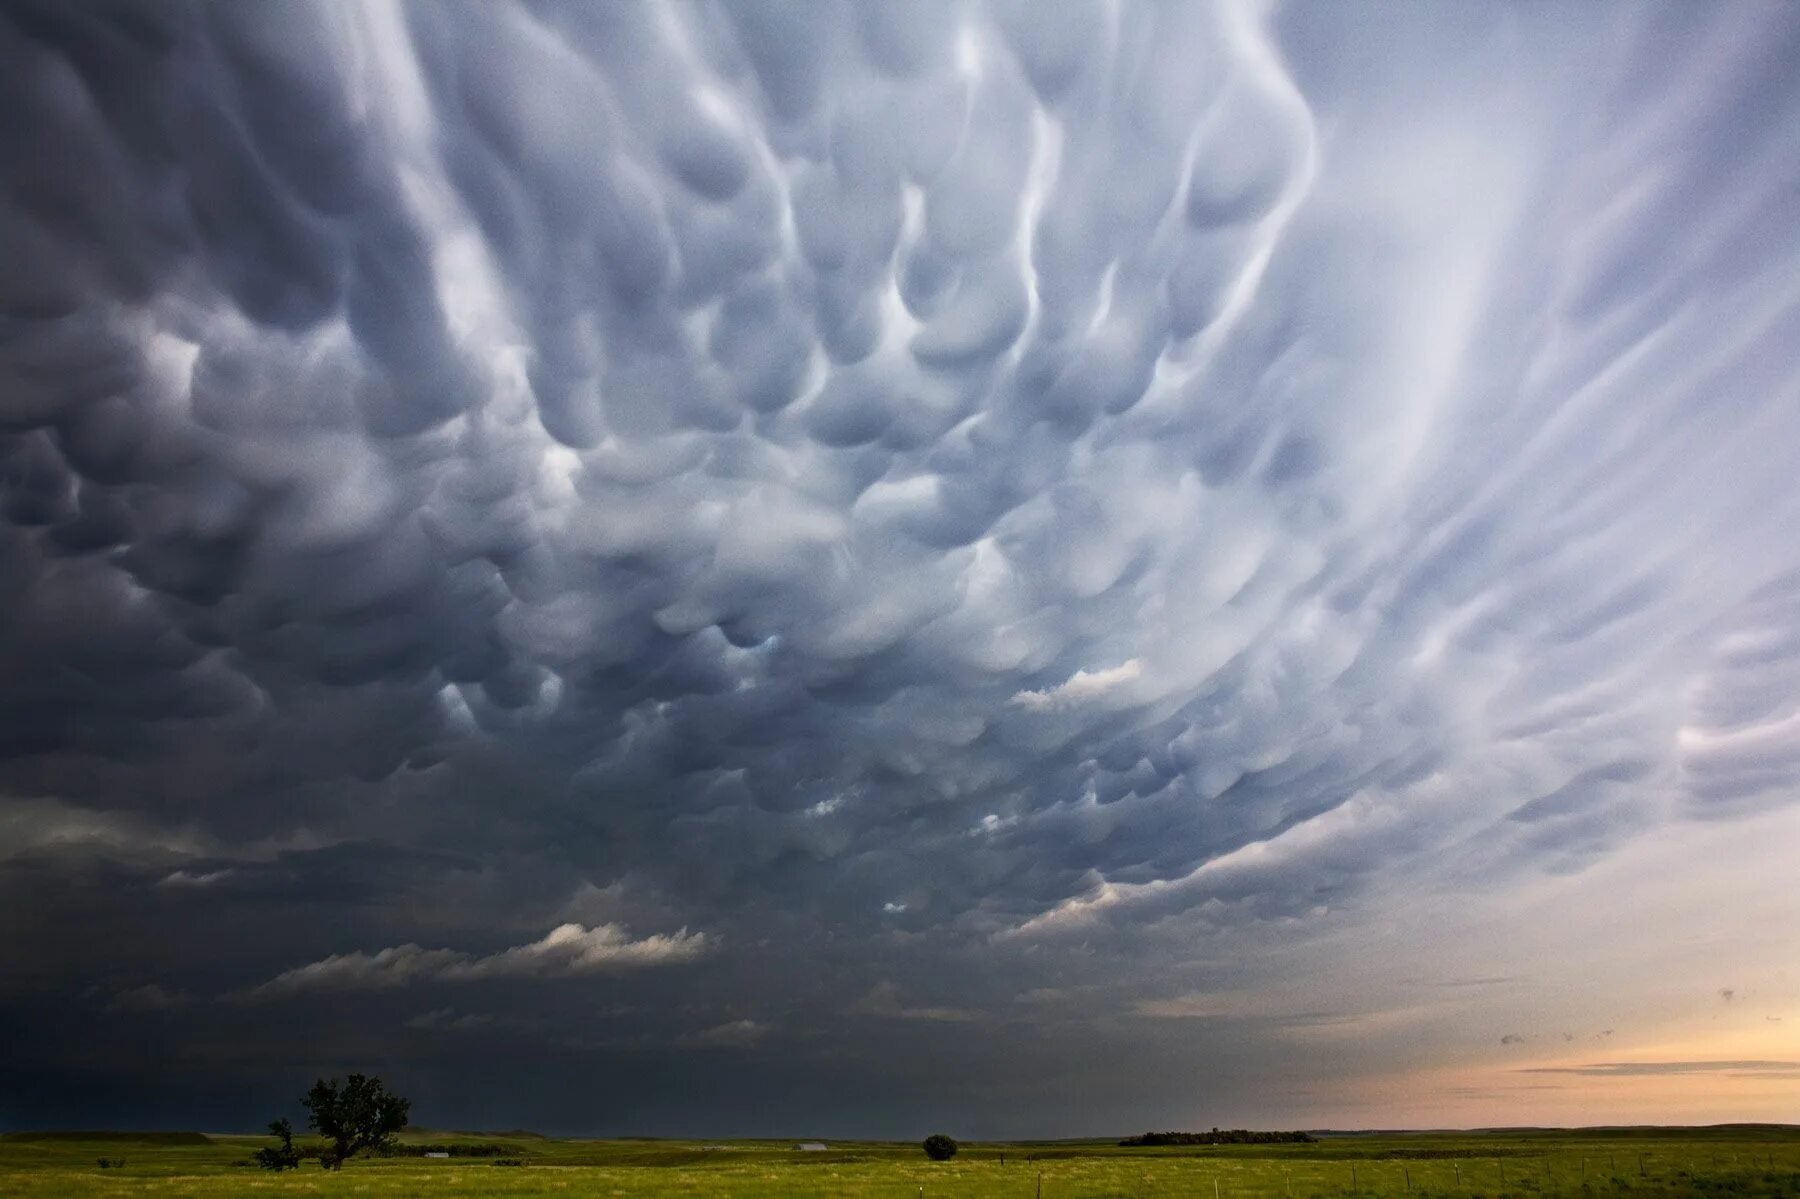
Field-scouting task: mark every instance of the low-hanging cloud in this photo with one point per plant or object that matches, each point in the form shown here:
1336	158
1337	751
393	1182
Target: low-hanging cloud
567	951
1082	685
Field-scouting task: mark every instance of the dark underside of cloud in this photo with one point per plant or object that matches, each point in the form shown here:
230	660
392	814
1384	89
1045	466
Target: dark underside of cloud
836	549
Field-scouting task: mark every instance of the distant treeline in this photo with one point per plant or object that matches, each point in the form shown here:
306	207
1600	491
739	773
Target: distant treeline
123	1138
1227	1136
455	1150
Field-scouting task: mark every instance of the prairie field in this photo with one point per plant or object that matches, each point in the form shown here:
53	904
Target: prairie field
1729	1160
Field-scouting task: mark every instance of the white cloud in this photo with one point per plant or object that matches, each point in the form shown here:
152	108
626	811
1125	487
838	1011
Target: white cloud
1082	687
570	949
195	879
567	951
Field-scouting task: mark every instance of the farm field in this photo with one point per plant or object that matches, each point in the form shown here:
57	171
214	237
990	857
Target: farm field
1729	1160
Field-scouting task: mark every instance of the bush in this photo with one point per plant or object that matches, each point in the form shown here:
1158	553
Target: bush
111	1163
283	1156
508	1161
939	1148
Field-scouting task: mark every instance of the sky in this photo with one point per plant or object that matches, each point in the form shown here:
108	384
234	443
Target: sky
853	569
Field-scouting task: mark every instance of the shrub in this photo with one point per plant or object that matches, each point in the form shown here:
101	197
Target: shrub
939	1148
111	1163
283	1156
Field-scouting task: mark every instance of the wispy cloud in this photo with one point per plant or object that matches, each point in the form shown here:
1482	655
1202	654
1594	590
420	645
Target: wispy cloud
179	879
1742	1068
151	997
567	951
450	1020
733	1034
51	826
1081	687
883	999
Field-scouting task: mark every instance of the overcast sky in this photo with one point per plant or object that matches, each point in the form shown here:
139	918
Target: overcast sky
852	568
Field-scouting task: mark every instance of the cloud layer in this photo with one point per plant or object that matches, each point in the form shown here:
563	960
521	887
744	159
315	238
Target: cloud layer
1012	499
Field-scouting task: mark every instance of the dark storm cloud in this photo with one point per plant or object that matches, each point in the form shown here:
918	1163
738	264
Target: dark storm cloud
963	503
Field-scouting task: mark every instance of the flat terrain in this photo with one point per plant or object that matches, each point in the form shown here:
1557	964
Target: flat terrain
1730	1160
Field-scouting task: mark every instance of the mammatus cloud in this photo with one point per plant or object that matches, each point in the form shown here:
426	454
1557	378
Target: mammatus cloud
567	951
1112	499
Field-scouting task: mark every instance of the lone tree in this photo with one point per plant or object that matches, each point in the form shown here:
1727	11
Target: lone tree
359	1115
939	1148
283	1156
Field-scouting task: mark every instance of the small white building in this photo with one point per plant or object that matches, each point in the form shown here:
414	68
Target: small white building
812	1146
437	1153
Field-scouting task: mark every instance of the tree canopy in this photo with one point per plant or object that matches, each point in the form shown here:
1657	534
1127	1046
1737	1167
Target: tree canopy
361	1114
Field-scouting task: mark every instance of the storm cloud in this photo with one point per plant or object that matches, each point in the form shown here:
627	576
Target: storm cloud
996	517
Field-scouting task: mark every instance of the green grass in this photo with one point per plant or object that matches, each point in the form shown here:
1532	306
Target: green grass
1741	1160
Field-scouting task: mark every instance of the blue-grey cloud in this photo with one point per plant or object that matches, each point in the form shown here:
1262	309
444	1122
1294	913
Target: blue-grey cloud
965	502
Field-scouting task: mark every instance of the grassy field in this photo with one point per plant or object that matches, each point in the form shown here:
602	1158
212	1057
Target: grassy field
1737	1160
